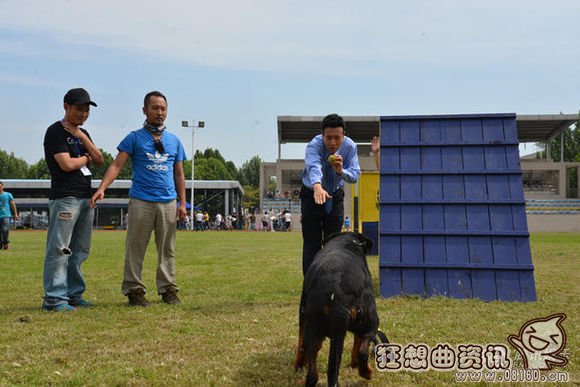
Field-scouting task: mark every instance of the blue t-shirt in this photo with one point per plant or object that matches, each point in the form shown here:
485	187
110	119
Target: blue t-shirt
5	199
152	178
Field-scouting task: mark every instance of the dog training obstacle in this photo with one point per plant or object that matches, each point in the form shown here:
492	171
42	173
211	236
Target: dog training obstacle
452	206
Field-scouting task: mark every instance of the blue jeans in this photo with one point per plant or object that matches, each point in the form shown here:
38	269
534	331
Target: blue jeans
67	247
4	230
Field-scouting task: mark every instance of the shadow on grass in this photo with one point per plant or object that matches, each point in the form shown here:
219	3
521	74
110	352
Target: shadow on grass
277	368
268	369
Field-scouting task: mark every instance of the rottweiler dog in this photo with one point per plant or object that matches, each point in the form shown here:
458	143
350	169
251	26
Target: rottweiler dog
337	296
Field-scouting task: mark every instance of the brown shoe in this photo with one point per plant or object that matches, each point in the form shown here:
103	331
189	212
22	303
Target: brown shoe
5	247
170	297
137	298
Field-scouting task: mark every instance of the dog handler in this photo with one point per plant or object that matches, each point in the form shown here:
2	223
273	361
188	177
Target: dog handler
331	160
68	151
157	167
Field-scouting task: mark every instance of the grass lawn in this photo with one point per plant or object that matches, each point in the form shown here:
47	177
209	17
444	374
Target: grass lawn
237	324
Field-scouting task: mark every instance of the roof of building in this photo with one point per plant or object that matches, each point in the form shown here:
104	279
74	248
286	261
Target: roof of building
301	129
123	184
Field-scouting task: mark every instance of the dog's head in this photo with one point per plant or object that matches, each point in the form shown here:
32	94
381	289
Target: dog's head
353	239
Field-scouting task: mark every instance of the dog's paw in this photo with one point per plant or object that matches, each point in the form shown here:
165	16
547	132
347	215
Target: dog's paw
354	363
299	363
365	372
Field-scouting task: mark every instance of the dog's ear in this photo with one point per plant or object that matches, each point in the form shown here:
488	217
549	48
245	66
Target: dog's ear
362	240
331	236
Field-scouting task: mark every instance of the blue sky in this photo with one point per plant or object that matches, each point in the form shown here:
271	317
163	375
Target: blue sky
237	65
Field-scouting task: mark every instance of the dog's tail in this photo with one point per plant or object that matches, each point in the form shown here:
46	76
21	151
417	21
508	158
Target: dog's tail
334	358
339	320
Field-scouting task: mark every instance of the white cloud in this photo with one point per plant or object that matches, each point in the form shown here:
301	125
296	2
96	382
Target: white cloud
29	80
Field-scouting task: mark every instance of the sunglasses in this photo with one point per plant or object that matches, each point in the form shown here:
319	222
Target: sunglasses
159	146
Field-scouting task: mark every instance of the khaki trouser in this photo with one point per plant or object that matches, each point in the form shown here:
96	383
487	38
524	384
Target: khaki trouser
145	217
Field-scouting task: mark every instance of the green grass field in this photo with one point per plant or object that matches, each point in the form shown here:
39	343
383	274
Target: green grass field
237	324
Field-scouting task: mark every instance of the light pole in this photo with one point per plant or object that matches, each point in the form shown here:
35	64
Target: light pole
193	126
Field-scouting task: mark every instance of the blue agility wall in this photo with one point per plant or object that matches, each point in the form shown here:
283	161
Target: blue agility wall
452	209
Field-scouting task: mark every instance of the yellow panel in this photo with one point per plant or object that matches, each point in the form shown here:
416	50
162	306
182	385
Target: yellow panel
368	187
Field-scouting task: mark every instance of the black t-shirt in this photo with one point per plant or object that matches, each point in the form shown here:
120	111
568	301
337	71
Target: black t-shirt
62	184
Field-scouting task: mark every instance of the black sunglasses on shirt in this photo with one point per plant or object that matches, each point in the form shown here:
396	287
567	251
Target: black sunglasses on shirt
159	146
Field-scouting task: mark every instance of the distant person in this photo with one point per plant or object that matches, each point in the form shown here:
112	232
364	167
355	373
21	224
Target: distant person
331	160
157	168
7	211
69	151
376	149
287	220
206	220
265	220
346	224
253	221
218	221
199	221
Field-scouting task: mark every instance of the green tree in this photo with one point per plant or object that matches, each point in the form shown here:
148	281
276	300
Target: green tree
232	169
211	165
210	153
571	138
251	197
211	169
187	169
38	170
249	173
98	171
12	167
571	145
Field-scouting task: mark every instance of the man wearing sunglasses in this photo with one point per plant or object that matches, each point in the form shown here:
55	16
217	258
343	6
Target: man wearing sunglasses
69	151
157	168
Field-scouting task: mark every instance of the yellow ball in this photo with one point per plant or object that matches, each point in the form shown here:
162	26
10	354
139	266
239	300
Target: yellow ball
331	159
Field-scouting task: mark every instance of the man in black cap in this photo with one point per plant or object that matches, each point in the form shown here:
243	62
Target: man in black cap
69	151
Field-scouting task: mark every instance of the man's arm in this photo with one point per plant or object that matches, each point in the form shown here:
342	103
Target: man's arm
14	211
70	164
95	154
376	149
110	176
313	168
351	168
179	178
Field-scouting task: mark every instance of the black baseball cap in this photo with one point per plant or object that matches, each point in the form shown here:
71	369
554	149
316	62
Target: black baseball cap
78	96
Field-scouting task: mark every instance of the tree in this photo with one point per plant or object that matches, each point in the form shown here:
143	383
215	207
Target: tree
211	169
98	171
38	170
232	169
249	173
12	167
571	145
571	149
211	165
251	197
210	153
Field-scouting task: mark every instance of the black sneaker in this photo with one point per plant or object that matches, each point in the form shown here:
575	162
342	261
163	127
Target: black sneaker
170	297
137	298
